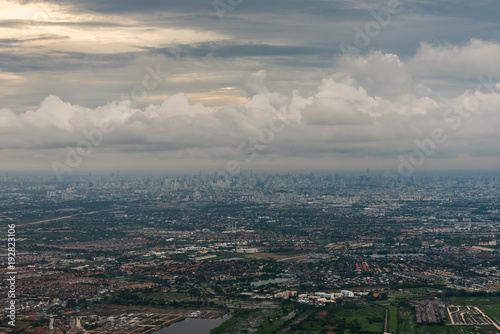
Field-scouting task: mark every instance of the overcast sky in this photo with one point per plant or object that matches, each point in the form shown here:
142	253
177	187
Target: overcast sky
291	84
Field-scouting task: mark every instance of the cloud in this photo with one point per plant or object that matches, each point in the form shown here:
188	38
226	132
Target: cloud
472	59
342	117
228	49
379	73
52	42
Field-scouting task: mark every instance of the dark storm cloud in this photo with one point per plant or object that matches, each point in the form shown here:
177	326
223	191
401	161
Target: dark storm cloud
311	7
11	41
484	10
41	22
227	49
338	11
52	60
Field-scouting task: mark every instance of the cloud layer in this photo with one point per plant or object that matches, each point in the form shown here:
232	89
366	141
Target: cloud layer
52	47
266	78
374	106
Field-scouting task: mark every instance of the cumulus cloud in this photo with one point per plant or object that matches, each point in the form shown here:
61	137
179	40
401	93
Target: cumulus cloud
474	58
374	107
379	73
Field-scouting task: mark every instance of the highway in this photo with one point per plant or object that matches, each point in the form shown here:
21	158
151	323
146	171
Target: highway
62	218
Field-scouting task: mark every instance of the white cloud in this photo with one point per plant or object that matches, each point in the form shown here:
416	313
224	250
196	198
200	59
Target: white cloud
475	58
378	73
342	118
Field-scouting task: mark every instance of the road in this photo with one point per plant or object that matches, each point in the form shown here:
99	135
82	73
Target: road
386	320
293	258
61	218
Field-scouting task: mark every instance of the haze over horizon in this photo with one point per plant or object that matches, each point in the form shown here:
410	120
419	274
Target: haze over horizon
169	86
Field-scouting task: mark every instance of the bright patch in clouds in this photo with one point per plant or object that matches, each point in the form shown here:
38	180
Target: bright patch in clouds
87	32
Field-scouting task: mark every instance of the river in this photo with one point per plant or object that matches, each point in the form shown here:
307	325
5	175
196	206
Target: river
193	326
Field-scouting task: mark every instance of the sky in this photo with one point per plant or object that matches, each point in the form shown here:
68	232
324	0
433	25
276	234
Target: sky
192	85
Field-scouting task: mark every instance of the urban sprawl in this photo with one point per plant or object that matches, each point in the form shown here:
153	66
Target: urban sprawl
262	252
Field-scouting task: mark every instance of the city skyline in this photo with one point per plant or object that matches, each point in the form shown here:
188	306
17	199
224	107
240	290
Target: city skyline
250	166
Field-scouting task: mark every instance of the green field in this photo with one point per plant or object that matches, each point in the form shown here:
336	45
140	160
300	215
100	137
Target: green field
238	316
344	319
270	327
371	318
393	317
244	320
406	321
